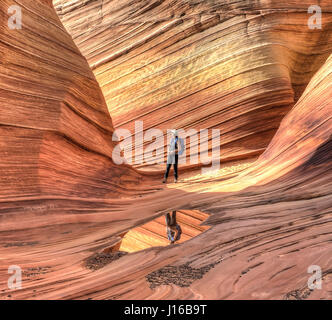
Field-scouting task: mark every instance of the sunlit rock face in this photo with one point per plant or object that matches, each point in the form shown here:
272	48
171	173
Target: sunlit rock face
275	226
234	66
263	237
62	199
55	129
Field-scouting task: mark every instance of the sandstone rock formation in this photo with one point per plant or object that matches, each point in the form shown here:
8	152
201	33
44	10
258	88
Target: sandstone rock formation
63	200
55	136
234	66
49	101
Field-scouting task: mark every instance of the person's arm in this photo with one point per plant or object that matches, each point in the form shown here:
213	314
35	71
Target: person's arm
181	145
169	235
178	232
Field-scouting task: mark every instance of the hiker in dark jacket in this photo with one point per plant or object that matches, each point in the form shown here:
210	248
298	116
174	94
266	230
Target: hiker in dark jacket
173	229
173	155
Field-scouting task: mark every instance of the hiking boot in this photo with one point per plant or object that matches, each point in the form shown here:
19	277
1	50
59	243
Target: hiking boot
175	180
164	181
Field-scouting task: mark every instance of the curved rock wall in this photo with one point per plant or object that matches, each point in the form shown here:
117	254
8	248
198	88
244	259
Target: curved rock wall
235	66
55	129
263	237
62	199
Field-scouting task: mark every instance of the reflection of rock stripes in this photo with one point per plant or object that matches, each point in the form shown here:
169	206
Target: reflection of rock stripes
153	233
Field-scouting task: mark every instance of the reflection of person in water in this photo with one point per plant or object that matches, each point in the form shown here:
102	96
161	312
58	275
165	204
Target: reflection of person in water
173	229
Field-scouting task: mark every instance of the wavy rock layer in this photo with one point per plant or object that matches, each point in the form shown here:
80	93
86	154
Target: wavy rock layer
269	224
55	129
234	66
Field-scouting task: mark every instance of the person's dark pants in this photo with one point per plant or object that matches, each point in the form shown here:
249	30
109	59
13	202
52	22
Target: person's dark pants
175	165
171	220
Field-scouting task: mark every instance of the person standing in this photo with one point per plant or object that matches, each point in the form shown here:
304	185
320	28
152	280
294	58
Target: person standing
173	155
